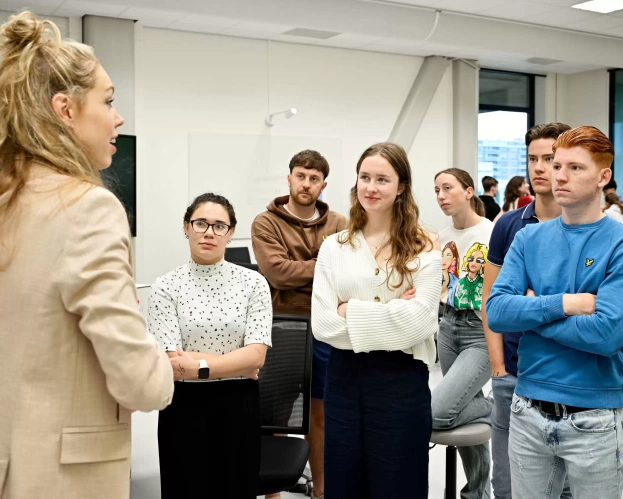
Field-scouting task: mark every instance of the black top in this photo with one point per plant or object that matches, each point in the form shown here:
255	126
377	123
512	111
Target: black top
491	207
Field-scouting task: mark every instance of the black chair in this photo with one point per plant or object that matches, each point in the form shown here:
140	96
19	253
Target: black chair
252	266
237	255
285	401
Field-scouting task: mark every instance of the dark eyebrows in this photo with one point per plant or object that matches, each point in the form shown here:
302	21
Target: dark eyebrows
206	221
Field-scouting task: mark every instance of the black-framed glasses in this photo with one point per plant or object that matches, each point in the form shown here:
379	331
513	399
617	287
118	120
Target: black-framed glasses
201	227
477	260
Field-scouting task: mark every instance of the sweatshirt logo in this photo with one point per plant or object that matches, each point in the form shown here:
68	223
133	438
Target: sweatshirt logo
589	262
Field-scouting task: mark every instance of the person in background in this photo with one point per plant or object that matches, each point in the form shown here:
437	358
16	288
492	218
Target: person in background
77	356
611	188
503	348
614	207
286	240
516	188
220	315
526	200
490	188
376	289
568	402
458	399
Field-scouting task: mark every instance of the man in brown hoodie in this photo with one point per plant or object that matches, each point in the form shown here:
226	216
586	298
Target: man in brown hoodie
286	241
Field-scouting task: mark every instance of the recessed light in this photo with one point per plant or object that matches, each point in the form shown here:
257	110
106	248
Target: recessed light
601	6
311	33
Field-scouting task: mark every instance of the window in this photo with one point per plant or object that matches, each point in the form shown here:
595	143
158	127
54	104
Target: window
616	123
506	111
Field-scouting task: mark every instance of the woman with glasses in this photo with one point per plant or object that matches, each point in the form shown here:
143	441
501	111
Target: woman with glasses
220	313
463	353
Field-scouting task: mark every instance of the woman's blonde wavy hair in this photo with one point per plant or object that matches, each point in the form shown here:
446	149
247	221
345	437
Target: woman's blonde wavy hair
36	67
407	237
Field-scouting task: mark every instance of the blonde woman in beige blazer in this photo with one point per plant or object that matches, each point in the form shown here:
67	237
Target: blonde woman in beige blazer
76	356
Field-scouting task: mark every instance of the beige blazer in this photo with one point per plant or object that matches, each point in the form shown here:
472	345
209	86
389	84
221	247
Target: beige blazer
76	355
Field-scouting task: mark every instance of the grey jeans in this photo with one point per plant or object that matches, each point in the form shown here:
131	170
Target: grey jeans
458	399
503	391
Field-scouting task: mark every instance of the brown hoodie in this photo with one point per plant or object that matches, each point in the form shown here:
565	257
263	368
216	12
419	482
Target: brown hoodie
286	249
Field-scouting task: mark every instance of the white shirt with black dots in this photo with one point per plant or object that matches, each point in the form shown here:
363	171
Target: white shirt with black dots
212	309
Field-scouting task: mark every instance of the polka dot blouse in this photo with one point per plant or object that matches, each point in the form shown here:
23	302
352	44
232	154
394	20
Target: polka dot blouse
210	308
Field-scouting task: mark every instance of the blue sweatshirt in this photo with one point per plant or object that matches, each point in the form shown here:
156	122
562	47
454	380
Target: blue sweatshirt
575	360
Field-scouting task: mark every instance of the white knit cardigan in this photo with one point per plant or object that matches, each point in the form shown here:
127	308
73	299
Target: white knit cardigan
376	317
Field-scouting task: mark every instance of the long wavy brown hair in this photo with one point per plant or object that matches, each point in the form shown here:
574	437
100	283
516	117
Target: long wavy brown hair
407	237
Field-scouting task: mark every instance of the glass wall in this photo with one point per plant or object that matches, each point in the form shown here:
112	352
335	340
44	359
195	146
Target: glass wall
506	112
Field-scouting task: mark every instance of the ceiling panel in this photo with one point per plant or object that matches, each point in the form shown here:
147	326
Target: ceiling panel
73	7
468	6
40	7
517	11
151	17
203	24
560	17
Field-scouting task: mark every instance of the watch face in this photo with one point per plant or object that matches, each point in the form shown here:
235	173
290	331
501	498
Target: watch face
204	373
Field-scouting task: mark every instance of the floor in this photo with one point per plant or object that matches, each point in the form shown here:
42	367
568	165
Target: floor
145	484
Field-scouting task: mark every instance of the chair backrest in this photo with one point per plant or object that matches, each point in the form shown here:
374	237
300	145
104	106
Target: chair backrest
252	266
238	255
285	379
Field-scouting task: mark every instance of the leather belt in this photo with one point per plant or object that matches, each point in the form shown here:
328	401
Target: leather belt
553	409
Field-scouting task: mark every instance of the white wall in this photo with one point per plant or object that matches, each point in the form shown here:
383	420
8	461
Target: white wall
579	99
188	82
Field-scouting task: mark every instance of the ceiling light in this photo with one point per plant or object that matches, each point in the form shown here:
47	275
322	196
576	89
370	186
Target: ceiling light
601	6
311	33
288	113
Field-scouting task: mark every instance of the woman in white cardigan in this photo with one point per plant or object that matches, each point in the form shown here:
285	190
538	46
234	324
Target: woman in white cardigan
376	288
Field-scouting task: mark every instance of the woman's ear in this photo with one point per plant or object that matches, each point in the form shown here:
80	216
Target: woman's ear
470	192
231	233
65	108
187	229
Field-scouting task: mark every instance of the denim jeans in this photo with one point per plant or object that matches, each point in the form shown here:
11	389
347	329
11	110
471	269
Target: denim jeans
503	390
458	399
377	426
585	445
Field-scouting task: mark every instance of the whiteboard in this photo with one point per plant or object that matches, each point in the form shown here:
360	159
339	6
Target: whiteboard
251	170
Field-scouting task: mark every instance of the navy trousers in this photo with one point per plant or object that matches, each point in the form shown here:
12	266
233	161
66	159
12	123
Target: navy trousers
378	425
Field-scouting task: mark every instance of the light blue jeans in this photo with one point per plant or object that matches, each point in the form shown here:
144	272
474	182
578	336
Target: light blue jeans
458	399
585	445
503	391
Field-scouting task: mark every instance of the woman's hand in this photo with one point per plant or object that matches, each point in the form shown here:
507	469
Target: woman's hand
341	310
409	294
184	366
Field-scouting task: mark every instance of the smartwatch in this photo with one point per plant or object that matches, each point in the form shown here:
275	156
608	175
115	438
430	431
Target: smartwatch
204	370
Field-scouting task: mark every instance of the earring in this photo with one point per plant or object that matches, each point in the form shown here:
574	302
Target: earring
229	241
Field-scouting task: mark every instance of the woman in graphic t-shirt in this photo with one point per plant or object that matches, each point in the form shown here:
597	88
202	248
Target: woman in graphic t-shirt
463	352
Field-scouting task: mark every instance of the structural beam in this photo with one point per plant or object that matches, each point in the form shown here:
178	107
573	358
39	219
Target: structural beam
418	101
465	117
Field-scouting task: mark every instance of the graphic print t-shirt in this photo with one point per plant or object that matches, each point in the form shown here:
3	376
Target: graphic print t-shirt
464	257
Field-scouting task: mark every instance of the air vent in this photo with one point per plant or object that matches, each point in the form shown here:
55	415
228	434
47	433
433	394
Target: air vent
542	61
311	33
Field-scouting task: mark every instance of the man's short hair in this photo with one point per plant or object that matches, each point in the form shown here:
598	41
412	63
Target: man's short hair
549	131
610	185
310	160
488	183
590	138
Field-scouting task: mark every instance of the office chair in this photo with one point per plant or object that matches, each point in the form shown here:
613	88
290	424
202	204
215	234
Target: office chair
285	401
237	255
252	266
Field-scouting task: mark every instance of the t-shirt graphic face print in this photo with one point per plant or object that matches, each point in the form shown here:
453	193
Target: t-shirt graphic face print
464	257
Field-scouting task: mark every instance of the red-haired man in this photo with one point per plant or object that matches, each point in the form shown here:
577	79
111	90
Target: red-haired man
560	283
